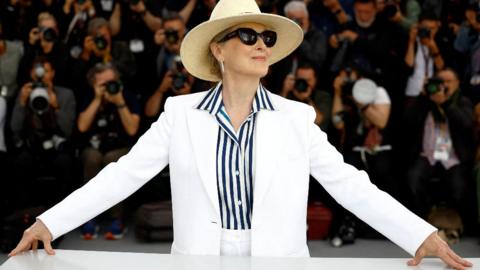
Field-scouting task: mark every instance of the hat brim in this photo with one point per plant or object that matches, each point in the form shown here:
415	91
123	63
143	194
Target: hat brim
196	44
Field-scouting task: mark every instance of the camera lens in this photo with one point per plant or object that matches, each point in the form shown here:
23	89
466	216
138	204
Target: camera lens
171	36
100	42
390	10
49	34
38	99
433	85
301	85
424	32
113	87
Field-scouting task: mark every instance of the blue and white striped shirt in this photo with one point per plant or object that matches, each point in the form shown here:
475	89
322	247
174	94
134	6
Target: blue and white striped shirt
235	158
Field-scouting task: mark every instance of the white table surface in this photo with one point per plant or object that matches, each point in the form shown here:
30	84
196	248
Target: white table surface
102	260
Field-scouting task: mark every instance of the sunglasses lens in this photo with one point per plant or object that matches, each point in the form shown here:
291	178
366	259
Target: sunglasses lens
247	36
269	38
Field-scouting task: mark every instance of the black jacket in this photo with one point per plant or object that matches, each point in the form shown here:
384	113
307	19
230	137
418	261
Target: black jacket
459	114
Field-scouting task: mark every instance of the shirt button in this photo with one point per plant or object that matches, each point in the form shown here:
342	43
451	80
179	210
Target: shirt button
239	203
237	172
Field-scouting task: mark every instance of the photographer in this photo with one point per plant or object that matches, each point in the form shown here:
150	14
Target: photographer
467	43
405	13
423	55
98	47
44	40
374	46
360	113
77	14
10	58
42	123
109	122
177	81
314	44
303	87
440	139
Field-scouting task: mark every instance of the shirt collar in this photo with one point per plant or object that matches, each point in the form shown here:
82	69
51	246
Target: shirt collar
213	102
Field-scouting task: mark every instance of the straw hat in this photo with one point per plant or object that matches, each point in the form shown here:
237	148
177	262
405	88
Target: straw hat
195	47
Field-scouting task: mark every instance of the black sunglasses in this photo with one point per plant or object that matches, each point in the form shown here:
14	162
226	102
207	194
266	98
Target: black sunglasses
249	36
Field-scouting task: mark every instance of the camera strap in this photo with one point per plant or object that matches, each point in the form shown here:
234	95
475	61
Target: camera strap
426	58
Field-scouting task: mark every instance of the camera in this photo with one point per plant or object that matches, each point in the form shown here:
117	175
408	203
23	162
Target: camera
390	9
134	2
434	85
424	32
39	100
81	2
301	85
100	42
113	87
347	87
179	78
49	34
171	36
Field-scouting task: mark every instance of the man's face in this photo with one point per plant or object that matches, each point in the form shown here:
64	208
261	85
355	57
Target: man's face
365	14
300	17
174	26
449	80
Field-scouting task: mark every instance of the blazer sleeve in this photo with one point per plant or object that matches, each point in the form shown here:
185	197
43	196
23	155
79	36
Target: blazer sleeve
353	190
116	181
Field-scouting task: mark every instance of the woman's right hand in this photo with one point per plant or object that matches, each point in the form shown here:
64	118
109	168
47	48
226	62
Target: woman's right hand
37	232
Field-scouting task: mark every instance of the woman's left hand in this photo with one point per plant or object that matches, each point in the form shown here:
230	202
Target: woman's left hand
435	246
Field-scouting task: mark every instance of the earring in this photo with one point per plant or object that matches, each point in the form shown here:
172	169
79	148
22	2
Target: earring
222	67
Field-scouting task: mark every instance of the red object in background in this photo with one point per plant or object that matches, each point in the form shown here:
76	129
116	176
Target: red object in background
319	219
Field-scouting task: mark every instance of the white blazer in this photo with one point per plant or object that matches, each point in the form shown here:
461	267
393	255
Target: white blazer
289	147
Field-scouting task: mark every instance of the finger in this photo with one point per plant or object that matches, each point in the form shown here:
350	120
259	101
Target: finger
22	246
417	259
450	261
48	247
35	245
459	259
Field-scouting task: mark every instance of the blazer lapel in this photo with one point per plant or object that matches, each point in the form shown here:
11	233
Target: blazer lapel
269	144
203	129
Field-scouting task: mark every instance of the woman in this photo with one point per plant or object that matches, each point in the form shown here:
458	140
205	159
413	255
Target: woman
244	189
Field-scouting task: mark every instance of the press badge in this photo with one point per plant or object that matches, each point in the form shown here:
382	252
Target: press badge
136	45
442	149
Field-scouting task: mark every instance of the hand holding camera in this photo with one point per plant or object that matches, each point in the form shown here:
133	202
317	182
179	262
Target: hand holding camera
34	36
288	84
113	92
159	37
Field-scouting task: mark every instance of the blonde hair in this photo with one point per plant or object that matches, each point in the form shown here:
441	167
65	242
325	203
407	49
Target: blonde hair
43	16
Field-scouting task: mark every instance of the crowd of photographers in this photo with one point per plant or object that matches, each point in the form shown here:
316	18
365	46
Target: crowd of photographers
394	83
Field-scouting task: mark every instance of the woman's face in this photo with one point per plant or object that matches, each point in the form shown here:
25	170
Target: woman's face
242	59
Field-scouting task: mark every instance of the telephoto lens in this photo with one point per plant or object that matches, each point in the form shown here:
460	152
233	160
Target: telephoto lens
49	34
38	100
113	87
100	42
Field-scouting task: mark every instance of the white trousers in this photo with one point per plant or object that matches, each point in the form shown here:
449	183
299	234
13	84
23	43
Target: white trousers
235	243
